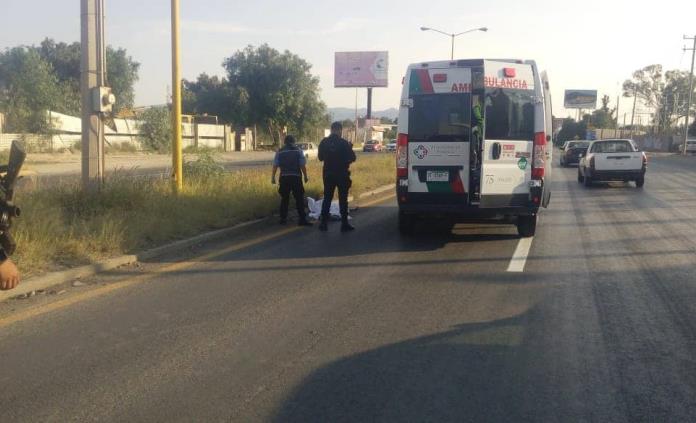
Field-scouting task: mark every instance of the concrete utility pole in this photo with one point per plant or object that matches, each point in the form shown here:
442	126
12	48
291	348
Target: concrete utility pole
92	77
691	90
177	160
633	113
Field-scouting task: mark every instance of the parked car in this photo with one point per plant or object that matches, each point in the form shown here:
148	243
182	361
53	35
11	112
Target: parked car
310	150
391	146
613	160
572	151
691	146
372	147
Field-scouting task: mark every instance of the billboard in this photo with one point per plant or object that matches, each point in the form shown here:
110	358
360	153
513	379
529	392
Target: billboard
361	69
580	99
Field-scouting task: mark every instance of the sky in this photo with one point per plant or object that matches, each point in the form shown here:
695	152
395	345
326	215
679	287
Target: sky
590	44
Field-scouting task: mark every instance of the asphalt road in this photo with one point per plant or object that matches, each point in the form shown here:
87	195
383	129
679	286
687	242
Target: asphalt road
309	327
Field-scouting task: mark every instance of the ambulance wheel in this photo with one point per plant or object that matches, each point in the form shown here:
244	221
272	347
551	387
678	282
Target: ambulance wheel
526	226
407	223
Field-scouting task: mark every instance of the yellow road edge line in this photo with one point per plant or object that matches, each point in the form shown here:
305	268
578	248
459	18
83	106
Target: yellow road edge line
103	290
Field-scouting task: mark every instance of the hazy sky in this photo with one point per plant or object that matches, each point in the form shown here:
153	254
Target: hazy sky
589	44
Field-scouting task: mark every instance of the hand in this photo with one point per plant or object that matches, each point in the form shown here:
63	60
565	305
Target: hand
273	181
9	275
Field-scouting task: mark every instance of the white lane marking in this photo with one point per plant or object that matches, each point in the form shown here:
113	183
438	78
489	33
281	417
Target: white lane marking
519	259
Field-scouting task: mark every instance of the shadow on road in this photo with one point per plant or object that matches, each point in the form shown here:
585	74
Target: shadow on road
464	374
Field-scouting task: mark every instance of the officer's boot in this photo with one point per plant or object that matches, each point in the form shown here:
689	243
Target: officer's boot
346	226
324	224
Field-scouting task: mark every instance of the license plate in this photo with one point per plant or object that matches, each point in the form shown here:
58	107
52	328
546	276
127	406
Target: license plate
437	176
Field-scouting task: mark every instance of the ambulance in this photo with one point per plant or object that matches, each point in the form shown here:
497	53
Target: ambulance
474	142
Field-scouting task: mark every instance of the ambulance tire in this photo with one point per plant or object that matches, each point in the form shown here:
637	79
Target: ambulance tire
407	224
526	226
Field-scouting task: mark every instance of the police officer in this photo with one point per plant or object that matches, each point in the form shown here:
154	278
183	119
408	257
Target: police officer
292	163
337	155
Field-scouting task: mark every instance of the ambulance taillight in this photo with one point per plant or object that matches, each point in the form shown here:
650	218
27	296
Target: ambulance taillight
539	156
402	156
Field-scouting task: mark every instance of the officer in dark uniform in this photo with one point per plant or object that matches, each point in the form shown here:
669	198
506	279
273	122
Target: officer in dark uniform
292	163
337	155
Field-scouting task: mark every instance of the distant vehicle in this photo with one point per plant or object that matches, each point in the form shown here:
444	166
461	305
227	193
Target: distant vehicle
572	151
372	146
474	143
691	146
391	146
309	149
613	160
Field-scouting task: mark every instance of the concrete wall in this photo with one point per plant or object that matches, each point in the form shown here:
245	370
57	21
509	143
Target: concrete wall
68	132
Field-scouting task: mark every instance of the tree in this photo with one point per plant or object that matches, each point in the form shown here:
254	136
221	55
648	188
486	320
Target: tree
573	130
121	71
122	74
675	96
275	90
665	93
36	79
156	129
209	95
604	116
28	89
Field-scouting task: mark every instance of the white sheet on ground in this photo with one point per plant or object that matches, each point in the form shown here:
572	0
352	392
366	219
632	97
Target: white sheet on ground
314	207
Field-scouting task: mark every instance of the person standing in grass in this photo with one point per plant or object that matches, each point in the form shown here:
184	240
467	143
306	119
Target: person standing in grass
337	155
293	165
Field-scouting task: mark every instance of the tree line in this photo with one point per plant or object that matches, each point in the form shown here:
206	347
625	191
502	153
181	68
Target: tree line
665	93
36	79
262	87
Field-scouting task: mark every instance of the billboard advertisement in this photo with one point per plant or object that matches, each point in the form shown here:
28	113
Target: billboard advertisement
580	99
361	69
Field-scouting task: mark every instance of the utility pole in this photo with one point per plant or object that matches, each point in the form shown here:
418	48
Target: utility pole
177	160
691	89
618	98
633	113
92	78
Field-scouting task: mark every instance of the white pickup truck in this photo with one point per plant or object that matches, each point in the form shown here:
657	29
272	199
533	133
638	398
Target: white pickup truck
613	160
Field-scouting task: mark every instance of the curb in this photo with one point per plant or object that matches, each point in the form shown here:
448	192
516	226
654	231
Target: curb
49	280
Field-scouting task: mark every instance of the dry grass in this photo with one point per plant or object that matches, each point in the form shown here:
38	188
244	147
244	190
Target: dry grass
64	227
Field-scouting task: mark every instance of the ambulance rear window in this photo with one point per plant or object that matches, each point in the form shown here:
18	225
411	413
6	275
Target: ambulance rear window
440	117
509	114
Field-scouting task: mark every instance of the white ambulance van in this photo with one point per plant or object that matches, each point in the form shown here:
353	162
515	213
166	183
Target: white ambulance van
474	142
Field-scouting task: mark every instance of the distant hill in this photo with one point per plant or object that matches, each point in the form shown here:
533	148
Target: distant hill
342	113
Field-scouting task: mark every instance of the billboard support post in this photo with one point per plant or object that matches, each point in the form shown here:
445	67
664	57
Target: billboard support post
369	103
355	127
